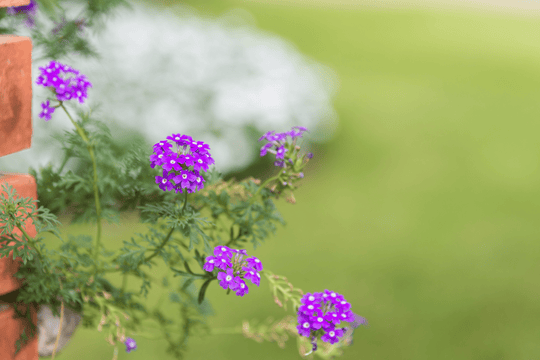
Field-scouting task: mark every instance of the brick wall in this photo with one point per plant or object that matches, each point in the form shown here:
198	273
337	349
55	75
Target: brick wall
15	135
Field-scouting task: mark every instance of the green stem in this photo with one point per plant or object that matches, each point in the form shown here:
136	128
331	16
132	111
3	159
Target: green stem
218	331
96	192
262	186
156	251
30	241
185	202
168	235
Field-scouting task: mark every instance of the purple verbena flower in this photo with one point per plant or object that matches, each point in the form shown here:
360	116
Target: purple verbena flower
332	317
324	310
304	325
332	336
251	274
185	166
130	344
240	286
232	262
226	279
223	263
164	183
223	251
199	163
280	154
171	163
333	296
267	136
254	263
199	147
185	178
309	308
210	263
47	111
54	76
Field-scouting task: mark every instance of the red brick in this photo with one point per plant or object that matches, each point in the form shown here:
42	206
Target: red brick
11	331
6	3
25	185
15	93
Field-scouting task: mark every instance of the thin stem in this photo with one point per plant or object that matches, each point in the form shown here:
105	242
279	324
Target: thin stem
262	186
29	240
156	251
90	148
185	201
218	331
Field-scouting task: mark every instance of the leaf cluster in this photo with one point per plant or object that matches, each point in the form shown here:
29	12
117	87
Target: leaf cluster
125	179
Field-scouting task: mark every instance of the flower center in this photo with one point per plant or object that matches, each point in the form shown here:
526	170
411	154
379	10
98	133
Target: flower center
310	307
306	325
311	298
164	181
332	333
343	302
333	294
320	319
257	261
228	278
173	162
177	138
211	261
184	176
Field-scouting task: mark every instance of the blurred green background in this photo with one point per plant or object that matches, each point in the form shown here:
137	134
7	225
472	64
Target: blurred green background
423	211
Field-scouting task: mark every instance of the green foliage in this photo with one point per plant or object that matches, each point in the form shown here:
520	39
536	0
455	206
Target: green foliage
177	233
120	179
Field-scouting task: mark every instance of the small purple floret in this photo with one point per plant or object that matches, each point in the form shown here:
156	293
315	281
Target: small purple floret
130	344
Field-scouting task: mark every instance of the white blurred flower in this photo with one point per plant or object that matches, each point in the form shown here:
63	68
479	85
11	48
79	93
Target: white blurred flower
164	73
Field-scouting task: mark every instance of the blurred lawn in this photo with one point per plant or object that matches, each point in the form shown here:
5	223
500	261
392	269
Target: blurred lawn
423	211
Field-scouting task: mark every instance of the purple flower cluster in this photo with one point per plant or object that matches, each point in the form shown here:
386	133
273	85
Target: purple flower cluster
29	10
130	344
65	88
279	143
183	167
235	268
323	311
